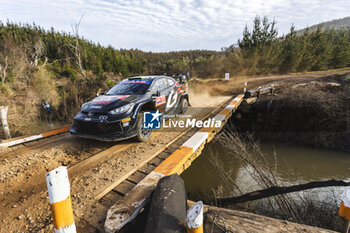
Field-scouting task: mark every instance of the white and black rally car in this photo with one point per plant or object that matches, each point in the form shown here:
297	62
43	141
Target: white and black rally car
118	114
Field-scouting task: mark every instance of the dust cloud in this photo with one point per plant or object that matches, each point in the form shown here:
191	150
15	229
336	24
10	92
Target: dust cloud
203	98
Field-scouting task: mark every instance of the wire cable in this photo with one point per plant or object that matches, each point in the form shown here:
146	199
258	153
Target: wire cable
216	216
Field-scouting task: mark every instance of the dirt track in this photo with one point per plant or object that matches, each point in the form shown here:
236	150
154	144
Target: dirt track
23	193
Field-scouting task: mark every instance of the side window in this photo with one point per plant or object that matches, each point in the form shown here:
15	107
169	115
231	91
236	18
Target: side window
165	82
170	82
158	85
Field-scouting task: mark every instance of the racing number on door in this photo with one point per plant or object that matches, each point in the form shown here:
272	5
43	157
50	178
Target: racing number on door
172	99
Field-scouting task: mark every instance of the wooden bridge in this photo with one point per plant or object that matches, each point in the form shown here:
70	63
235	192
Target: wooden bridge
132	193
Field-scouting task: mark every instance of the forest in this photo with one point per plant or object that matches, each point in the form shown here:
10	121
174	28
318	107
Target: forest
259	51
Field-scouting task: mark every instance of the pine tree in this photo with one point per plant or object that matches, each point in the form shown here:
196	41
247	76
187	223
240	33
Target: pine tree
341	51
291	53
321	49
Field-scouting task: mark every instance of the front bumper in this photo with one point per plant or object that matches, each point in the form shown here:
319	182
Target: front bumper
103	131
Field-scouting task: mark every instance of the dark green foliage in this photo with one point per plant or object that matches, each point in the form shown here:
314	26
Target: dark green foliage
341	49
261	51
57	49
290	55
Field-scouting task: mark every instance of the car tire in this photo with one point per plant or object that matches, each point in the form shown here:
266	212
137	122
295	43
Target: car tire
184	106
141	133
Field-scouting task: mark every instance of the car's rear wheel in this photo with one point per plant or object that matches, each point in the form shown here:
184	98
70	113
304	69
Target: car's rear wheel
142	134
184	106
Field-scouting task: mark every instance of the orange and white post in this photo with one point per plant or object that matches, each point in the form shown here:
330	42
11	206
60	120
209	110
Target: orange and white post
60	201
245	88
344	210
195	218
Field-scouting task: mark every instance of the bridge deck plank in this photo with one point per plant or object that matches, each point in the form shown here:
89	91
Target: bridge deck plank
124	187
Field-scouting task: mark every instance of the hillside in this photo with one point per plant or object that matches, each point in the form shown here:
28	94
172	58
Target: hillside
66	70
336	24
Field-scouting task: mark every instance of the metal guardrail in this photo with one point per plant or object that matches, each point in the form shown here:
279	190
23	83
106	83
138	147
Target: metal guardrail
259	91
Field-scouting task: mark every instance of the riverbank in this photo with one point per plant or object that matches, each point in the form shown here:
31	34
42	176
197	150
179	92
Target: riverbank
298	135
309	111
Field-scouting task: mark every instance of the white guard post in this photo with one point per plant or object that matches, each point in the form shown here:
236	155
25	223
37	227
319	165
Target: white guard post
60	200
195	218
227	76
3	117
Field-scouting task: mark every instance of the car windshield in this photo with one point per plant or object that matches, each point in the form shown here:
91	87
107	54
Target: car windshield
130	87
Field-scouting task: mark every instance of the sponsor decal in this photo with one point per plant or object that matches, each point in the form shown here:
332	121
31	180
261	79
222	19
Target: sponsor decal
103	117
172	99
180	90
160	100
136	82
96	106
152	120
104	100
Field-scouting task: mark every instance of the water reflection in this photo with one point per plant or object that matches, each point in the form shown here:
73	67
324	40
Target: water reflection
295	164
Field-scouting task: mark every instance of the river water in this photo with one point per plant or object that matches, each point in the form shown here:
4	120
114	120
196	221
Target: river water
295	164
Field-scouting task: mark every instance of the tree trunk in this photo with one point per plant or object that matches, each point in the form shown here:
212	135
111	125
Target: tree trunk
276	190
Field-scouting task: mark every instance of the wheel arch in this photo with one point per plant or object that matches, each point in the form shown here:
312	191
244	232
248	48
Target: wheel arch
145	106
185	96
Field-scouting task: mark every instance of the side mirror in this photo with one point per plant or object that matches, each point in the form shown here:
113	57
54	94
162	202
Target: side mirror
157	93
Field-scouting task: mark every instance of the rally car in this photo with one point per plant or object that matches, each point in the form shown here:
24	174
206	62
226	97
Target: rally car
118	114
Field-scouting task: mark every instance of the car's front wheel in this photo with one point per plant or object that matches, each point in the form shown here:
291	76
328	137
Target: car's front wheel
184	106
142	134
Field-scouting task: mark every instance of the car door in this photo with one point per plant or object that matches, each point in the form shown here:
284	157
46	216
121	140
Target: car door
159	94
173	96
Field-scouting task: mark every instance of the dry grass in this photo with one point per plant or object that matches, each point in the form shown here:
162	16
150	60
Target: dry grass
45	86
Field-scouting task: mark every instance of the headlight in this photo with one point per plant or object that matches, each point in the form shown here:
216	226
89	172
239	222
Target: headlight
122	109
